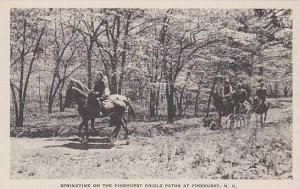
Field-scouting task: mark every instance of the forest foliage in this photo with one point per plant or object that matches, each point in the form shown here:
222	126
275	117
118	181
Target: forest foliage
165	60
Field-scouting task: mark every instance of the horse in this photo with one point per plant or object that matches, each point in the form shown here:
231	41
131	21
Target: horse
233	109
223	109
260	108
114	106
242	112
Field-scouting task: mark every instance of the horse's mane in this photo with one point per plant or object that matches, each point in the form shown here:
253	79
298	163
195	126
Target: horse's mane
80	92
80	86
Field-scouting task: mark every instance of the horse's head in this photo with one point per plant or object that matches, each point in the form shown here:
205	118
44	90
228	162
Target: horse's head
217	99
78	84
73	94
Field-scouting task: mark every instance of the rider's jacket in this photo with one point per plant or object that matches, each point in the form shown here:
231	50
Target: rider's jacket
248	89
241	95
227	91
101	86
261	93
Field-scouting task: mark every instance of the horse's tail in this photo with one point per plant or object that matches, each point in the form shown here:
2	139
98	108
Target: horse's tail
130	109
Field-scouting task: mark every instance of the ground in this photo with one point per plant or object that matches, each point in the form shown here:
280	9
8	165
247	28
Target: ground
158	150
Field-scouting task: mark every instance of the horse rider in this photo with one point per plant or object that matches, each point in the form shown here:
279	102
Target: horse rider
227	93
261	93
101	90
101	86
247	88
241	96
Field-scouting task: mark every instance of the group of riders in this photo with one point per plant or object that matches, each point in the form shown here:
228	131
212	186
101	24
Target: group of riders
242	95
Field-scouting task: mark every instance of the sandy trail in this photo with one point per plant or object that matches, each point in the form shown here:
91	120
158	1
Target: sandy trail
195	153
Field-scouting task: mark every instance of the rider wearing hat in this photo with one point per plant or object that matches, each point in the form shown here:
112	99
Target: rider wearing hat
101	90
240	96
101	86
226	92
241	93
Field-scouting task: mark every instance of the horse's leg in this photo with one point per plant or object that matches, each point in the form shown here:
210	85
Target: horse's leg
261	120
256	120
113	137
116	130
93	125
79	131
124	125
220	120
232	118
234	114
265	118
248	117
86	131
245	120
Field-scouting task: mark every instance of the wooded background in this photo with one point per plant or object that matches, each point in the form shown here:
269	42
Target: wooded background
165	60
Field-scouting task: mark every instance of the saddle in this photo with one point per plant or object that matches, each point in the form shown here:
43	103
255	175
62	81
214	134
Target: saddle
94	98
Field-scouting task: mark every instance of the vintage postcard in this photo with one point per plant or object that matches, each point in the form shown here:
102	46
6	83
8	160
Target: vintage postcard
149	94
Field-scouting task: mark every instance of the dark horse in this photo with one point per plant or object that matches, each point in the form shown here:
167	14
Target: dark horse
114	106
260	108
230	109
223	109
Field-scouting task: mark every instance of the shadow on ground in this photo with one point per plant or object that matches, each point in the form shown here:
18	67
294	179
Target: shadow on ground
80	146
95	140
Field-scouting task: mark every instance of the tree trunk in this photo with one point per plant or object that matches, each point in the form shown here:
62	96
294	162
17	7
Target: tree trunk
40	95
212	91
196	107
61	104
180	104
20	118
114	80
210	96
89	65
50	104
152	103
170	102
16	108
157	98
50	96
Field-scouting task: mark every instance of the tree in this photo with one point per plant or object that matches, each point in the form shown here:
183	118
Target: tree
89	25
114	47
65	46
25	49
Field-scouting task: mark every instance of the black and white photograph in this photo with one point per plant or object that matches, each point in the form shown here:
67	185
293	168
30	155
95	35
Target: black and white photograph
151	93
